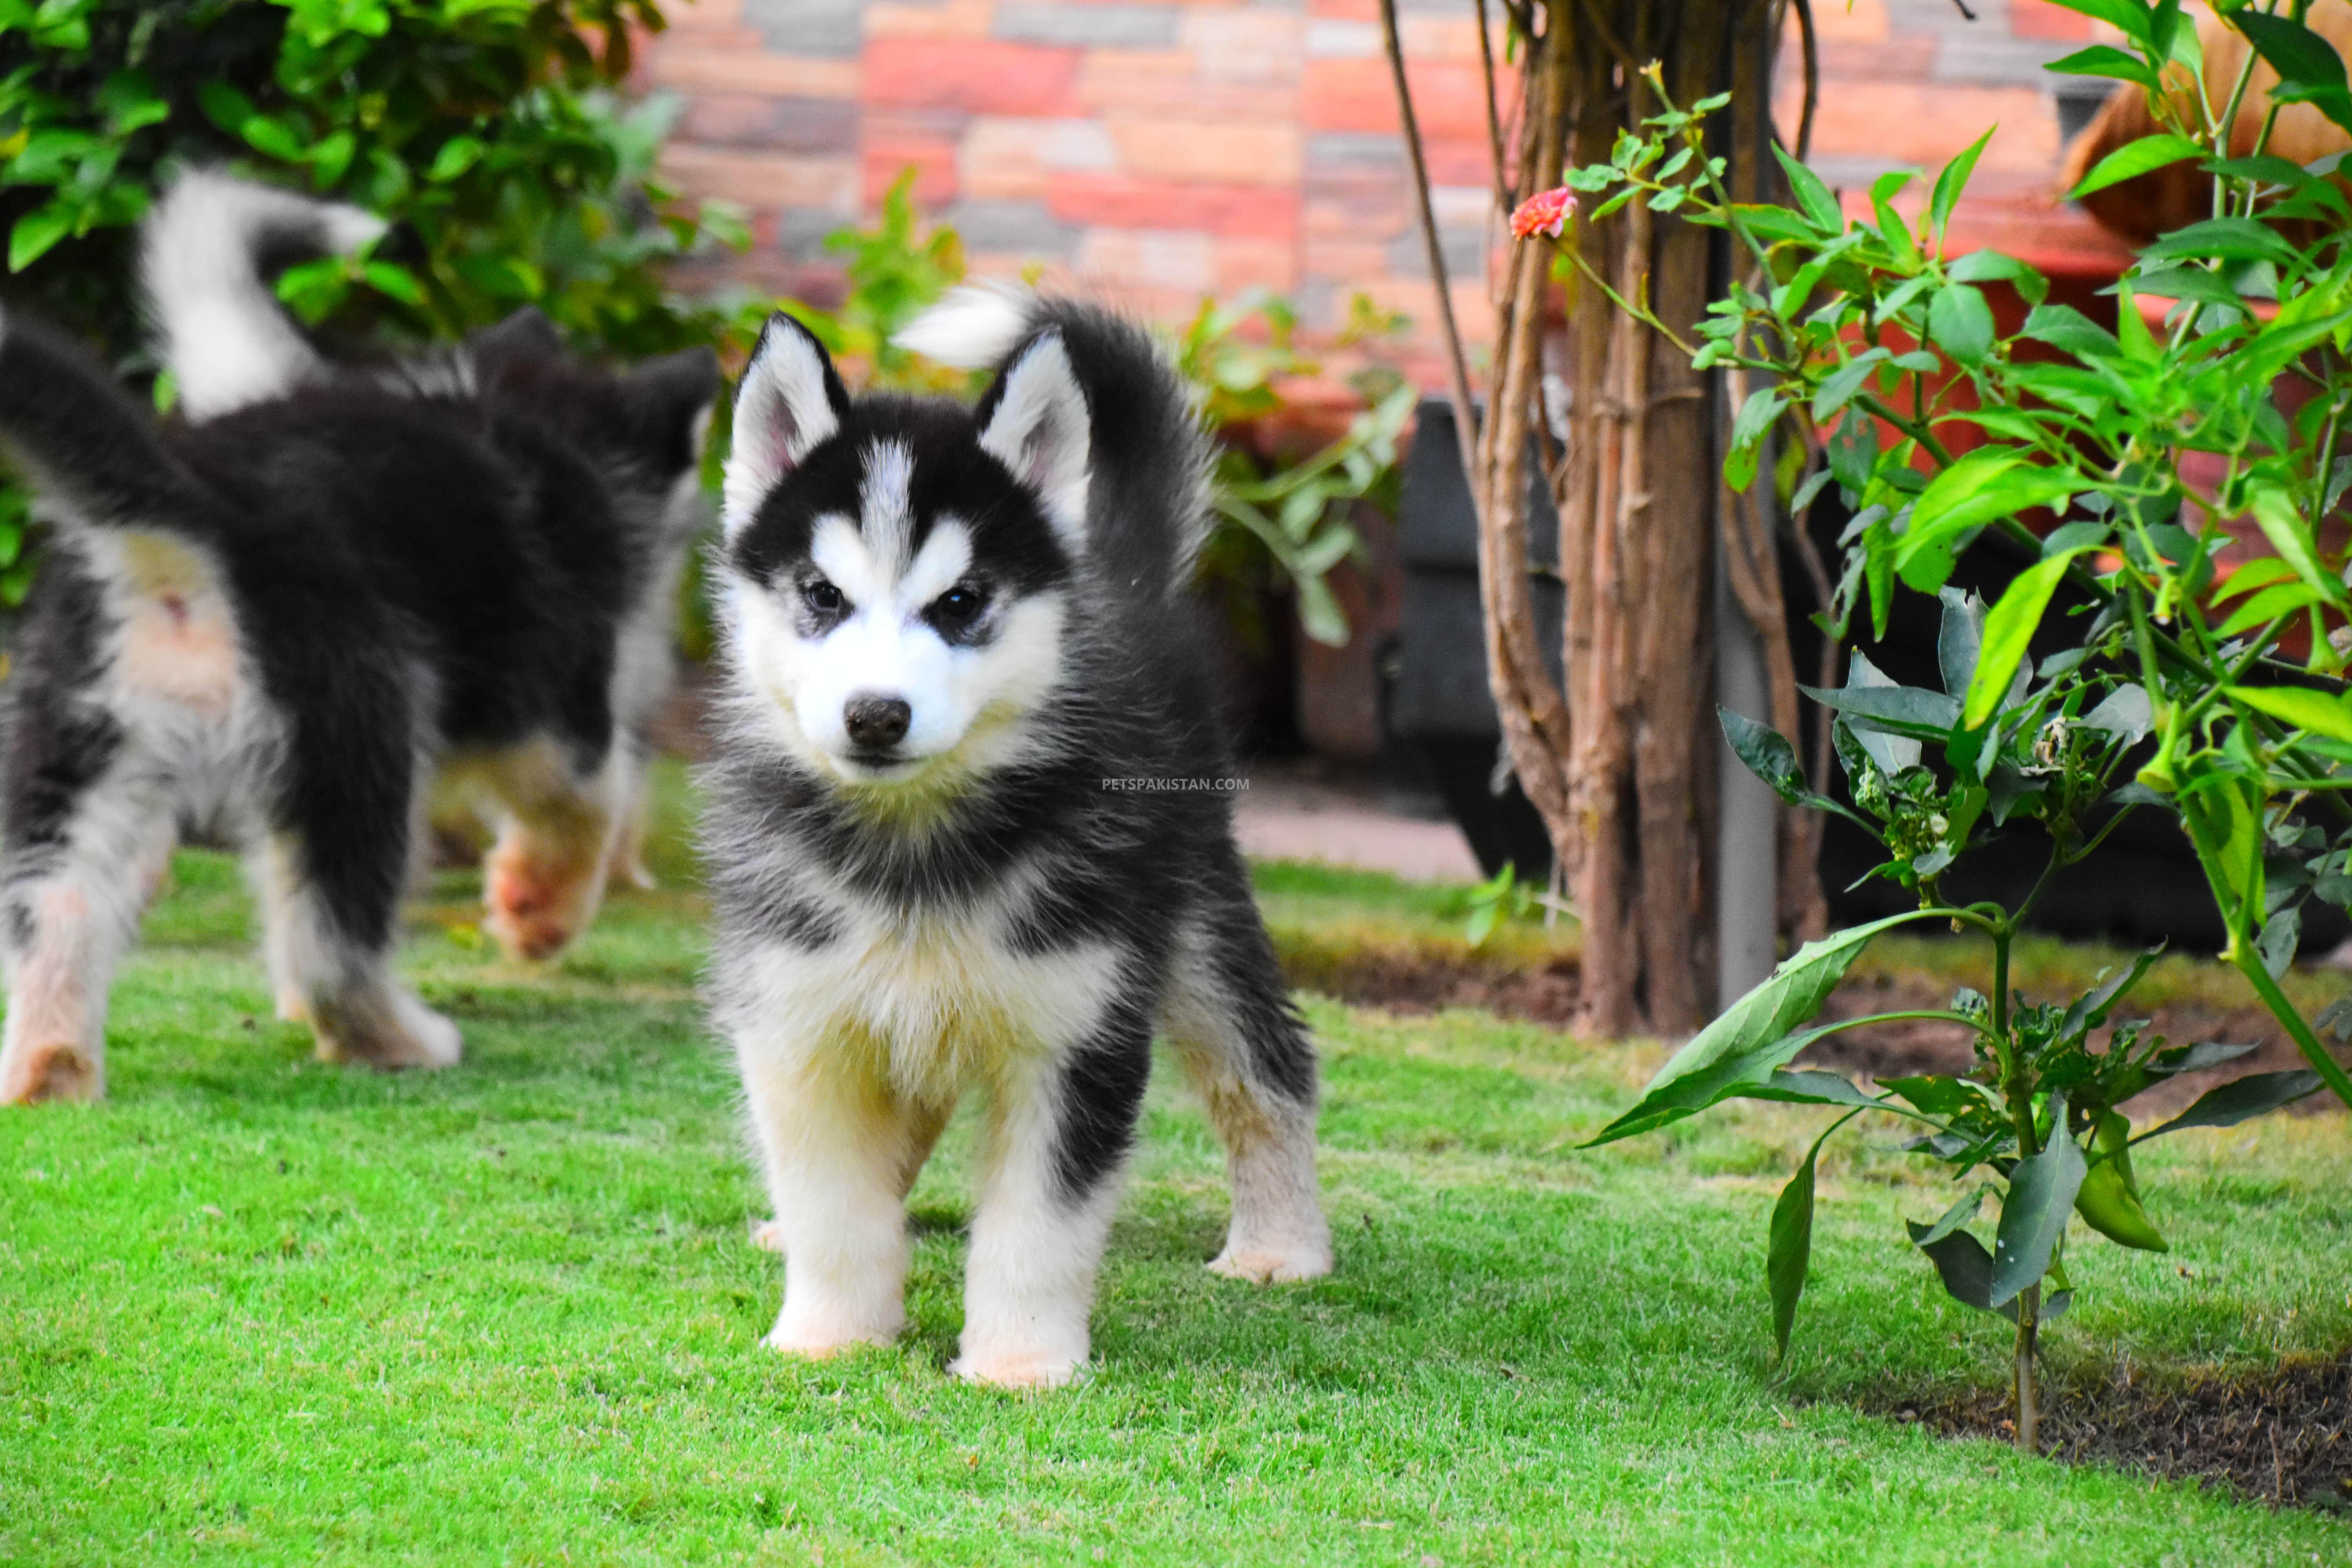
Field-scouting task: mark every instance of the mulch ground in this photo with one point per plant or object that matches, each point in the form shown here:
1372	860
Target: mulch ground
2278	1434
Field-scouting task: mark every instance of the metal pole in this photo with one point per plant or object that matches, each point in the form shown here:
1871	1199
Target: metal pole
1747	827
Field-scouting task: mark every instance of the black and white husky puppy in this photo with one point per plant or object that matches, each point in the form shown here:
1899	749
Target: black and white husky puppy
958	832
276	621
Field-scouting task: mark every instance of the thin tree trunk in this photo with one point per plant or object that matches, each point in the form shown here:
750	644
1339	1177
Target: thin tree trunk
1617	758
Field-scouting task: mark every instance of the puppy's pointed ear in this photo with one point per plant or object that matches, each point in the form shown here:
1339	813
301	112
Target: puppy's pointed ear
526	334
790	400
669	402
1034	421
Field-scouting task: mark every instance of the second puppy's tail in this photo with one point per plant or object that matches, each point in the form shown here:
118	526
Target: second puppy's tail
1147	490
94	456
204	253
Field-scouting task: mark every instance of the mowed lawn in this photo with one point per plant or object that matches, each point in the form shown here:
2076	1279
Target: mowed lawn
257	1310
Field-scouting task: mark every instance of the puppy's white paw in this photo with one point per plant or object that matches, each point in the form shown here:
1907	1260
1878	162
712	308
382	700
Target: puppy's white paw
820	1343
1266	1265
767	1236
1017	1369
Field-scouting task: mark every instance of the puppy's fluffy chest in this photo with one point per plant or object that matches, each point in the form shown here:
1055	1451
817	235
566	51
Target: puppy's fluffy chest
934	1000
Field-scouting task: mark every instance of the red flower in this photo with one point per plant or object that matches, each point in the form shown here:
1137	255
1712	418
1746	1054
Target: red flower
1550	213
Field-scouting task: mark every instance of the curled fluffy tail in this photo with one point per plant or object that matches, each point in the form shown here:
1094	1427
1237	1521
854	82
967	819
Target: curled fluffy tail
93	454
1148	491
202	254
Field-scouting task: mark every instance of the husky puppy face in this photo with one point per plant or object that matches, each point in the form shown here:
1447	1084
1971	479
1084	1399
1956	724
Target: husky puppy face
899	571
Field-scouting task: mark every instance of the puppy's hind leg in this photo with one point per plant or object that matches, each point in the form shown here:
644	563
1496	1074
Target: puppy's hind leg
1245	1048
545	876
332	867
75	886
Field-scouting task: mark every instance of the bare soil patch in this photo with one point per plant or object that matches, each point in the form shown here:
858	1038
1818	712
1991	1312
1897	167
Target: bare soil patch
2278	1434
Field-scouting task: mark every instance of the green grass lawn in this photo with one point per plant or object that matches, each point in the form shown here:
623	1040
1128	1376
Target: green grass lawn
256	1309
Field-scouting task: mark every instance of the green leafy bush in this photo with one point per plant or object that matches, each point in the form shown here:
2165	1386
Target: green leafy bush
2168	695
489	130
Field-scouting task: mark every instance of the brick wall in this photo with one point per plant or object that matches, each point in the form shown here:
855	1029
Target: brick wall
1156	150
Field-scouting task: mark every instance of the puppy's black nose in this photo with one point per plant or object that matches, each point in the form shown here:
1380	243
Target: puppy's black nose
877	723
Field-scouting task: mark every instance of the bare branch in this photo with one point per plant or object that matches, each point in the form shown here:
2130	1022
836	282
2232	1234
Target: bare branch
1810	45
1494	114
1457	363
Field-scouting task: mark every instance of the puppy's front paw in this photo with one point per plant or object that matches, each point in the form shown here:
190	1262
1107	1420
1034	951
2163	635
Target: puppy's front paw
768	1236
1263	1264
1017	1369
822	1342
57	1072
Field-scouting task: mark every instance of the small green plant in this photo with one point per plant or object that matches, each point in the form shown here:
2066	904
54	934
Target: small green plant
2160	691
1297	513
894	269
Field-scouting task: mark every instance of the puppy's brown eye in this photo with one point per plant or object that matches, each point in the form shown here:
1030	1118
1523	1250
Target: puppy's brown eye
960	606
823	597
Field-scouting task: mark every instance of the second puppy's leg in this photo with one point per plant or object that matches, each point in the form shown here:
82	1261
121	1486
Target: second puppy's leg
545	874
77	883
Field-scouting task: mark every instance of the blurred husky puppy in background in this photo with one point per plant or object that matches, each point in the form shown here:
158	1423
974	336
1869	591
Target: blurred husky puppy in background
275	621
967	828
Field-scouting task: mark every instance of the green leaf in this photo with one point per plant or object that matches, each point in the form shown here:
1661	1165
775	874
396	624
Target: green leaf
2105	59
1960	322
2125	713
2310	70
1951	182
2241	1100
1810	1087
2283	524
2260	572
1751	1037
2135	159
2065	327
1838	388
2008	628
1989	482
1766	751
275	138
1820	207
2134	19
1790	1248
1961	1213
2223	239
225	106
2033	1214
458	154
386	278
2305	710
1747	431
35	232
1992	266
2109	1198
1959	639
1912	711
1961	1263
